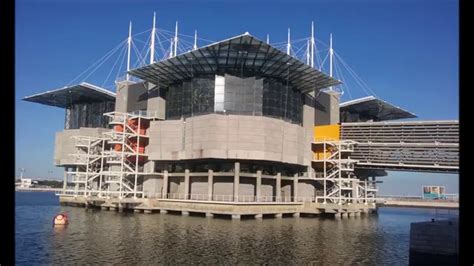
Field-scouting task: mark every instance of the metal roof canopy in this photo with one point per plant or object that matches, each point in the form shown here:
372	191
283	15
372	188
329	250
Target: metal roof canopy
375	108
239	52
65	97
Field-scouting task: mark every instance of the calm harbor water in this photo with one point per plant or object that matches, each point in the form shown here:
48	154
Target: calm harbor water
97	237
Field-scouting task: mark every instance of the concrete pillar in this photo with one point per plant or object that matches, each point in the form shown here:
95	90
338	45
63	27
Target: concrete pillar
279	215
210	181
236	181
344	215
186	184
208	214
296	214
164	192
235	216
65	178
356	214
258	216
295	187
258	186
164	211
337	215
355	191
184	213
278	187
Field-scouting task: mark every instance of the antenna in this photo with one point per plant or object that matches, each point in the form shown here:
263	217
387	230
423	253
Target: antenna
331	52
307	53
288	46
195	40
152	44
129	48
268	38
176	40
312	44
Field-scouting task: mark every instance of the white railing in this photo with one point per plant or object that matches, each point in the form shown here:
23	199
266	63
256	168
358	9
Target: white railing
449	197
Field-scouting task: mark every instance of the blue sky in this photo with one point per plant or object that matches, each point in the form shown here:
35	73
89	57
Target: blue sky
406	51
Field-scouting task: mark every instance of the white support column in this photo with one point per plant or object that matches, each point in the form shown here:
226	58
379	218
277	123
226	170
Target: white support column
186	184
176	40
324	173
236	180
355	191
288	46
64	180
331	53
258	191
365	191
295	188
152	43
129	49
312	44
164	192
278	187
195	46
339	170
210	182
307	53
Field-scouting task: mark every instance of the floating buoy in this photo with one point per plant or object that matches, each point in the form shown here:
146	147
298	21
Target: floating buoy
60	219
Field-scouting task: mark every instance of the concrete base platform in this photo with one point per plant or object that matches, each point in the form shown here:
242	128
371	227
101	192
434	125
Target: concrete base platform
233	210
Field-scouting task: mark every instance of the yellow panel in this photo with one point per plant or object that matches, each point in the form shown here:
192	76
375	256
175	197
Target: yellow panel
329	132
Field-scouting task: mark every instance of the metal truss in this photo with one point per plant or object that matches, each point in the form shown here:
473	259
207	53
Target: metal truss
111	165
340	184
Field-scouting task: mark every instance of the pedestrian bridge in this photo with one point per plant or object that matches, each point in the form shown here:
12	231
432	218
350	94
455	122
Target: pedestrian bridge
428	146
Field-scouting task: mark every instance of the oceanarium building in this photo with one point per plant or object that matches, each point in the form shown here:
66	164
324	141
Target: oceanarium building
236	124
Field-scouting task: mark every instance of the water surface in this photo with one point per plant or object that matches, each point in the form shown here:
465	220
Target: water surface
96	237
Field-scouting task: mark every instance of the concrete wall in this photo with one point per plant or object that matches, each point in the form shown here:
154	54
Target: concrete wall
434	243
156	102
247	187
152	186
176	185
268	188
198	185
230	137
327	108
223	185
306	188
65	144
131	96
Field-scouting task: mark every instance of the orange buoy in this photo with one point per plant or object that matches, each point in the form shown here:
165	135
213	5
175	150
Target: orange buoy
60	219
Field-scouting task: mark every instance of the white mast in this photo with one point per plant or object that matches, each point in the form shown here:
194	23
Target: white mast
129	48
307	53
195	40
331	52
312	44
268	38
288	46
152	44
176	40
